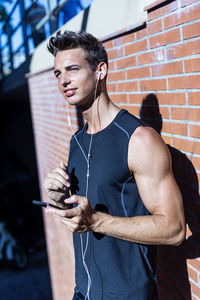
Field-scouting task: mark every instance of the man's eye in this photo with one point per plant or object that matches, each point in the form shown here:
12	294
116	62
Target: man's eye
57	75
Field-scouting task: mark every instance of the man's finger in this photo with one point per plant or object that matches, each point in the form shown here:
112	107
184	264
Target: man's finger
61	172
65	213
63	166
58	177
74	199
55	185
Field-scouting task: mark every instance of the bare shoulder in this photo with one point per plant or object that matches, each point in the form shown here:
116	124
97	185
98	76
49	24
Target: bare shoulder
147	150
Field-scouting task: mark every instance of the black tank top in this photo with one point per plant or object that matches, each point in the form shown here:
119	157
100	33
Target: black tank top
119	270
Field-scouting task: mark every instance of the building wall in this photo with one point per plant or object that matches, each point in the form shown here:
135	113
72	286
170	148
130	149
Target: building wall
154	73
101	19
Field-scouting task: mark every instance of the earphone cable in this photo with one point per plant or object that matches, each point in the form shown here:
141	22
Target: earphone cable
83	252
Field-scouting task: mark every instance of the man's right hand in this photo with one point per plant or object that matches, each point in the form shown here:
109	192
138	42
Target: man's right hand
57	185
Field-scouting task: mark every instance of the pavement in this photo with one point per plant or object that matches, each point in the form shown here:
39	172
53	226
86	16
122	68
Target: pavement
32	283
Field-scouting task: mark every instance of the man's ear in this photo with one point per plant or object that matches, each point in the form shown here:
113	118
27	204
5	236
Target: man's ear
102	70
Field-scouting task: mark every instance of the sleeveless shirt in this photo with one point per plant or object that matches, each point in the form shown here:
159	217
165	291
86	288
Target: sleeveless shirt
119	270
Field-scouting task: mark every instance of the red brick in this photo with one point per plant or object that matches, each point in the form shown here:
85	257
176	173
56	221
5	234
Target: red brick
124	39
192	274
166	139
184	82
163	98
116	76
152	56
136	47
175	280
195	290
115	53
194	98
196	164
187	2
166	38
176	128
127	86
152	85
134	110
111	87
188	232
171	98
166	69
136	98
108	44
138	73
186	145
186	15
119	98
141	33
162	10
192	65
198	176
195	130
182	50
126	62
189	114
191	30
164	112
154	27
111	65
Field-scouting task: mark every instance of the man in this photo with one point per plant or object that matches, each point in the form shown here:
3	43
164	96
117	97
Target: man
125	197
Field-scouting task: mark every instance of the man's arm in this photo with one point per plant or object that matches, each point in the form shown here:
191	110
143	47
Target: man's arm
149	161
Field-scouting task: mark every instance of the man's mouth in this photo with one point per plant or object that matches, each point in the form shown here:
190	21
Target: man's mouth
69	92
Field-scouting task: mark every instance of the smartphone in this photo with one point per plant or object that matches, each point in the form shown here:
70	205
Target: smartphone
44	204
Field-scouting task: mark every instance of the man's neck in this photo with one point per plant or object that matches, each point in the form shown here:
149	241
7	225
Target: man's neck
100	114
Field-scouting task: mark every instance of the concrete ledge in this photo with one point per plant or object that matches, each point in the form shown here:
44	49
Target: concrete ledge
154	5
123	31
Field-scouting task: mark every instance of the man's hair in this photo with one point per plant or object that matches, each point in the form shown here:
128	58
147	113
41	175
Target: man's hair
95	53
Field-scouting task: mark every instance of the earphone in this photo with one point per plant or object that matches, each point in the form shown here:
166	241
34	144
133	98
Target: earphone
87	157
99	75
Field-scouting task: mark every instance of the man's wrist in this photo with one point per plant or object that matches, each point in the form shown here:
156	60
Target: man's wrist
96	221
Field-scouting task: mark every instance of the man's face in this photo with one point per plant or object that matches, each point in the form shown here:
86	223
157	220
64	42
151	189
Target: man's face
76	80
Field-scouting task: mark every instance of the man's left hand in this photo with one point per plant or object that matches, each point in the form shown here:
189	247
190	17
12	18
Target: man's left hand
77	219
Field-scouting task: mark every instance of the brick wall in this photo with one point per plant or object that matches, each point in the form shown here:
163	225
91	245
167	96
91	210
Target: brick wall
155	74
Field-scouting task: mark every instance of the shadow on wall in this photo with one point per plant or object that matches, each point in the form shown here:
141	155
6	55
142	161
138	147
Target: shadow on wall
172	271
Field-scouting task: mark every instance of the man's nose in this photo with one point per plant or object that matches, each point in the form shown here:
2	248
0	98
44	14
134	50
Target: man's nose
64	80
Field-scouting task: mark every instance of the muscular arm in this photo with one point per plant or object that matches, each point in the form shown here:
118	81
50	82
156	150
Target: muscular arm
149	160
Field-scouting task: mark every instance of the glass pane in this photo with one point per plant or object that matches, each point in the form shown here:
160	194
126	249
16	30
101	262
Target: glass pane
4	39
17	39
19	58
30	45
5	61
27	3
16	17
5	55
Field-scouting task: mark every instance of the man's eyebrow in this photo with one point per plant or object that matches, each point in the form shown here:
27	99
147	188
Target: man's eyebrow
67	68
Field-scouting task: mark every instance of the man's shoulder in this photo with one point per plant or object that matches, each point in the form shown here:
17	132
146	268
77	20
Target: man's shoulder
147	146
128	122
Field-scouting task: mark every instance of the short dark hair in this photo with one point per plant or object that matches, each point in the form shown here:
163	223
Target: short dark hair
95	53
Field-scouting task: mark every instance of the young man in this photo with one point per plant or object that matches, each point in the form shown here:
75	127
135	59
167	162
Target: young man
125	197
